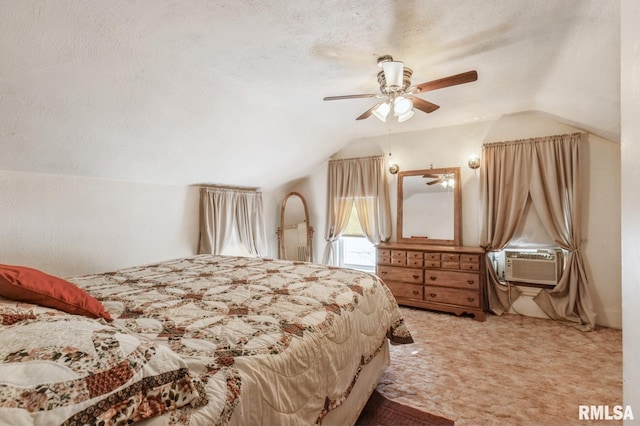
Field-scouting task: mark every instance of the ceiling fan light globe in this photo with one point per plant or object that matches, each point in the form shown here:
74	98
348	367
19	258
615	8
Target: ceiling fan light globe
382	111
402	105
404	117
393	74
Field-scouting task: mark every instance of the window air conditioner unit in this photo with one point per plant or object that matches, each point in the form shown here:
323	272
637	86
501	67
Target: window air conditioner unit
536	267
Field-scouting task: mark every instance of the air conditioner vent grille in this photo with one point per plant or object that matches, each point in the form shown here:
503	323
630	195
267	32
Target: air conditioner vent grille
533	267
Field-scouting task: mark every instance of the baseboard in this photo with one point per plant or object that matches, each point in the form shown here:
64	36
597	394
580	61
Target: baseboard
609	318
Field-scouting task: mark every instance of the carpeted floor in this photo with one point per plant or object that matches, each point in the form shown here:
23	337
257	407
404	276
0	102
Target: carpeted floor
504	371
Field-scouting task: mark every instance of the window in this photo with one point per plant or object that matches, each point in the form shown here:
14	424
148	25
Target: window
355	250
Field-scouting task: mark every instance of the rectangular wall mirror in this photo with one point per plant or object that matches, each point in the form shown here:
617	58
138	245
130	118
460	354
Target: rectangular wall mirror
429	206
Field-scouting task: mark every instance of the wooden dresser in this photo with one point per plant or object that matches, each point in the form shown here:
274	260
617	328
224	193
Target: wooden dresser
442	278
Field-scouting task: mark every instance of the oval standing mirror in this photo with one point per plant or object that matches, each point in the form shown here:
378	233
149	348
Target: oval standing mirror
294	233
429	207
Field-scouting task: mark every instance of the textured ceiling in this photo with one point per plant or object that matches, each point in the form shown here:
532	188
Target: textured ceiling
231	92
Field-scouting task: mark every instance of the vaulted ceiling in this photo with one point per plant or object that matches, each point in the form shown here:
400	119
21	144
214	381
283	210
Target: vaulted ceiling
231	92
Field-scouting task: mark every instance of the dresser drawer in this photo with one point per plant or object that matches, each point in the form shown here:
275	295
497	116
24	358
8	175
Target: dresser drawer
414	263
414	255
453	279
432	264
404	290
452	296
399	261
399	257
399	253
384	253
450	261
448	257
384	259
414	259
470	266
470	262
450	265
432	256
407	275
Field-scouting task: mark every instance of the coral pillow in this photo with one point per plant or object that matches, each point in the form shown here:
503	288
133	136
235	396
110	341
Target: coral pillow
33	286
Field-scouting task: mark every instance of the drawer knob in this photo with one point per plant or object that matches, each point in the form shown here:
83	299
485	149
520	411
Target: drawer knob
433	278
470	299
470	282
383	272
416	292
415	277
432	295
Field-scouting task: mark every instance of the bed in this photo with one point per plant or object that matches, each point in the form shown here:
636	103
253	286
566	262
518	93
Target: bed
202	340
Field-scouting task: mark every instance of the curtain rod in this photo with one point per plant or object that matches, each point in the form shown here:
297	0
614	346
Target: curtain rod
229	188
536	139
358	158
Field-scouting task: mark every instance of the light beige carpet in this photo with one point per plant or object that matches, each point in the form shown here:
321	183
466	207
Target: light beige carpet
508	370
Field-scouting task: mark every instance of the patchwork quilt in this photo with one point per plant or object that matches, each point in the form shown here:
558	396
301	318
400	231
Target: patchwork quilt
201	340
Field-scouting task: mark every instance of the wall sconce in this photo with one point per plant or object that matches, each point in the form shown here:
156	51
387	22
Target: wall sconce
474	162
393	167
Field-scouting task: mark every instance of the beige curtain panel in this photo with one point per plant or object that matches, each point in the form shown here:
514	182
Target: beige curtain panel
362	181
543	173
225	211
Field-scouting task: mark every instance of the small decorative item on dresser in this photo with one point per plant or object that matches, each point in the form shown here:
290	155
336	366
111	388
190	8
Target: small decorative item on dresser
442	278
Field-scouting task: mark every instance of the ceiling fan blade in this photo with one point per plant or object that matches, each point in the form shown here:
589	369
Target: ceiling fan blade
423	105
368	112
337	98
431	176
433	182
465	77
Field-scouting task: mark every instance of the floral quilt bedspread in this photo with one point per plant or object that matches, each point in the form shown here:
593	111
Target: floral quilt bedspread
266	341
63	369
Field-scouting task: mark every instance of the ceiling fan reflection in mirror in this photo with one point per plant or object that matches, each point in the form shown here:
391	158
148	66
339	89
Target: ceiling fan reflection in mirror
447	180
399	96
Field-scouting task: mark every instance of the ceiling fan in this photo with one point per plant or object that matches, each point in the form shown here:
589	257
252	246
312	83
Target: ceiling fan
400	97
446	179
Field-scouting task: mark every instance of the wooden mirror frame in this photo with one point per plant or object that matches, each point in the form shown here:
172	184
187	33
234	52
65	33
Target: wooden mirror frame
457	208
282	252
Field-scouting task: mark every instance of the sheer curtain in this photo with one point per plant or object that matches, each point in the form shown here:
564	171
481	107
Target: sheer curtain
362	181
544	172
229	212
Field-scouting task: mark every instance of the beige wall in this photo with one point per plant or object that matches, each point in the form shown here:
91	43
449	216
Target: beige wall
69	225
452	146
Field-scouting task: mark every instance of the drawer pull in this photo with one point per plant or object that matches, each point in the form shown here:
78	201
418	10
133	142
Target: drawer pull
383	272
416	292
470	299
433	278
432	295
415	277
470	282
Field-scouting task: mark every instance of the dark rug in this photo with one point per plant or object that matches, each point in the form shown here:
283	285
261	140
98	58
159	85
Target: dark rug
381	411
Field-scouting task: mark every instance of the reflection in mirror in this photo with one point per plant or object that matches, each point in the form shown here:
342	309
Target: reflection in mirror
294	233
429	206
